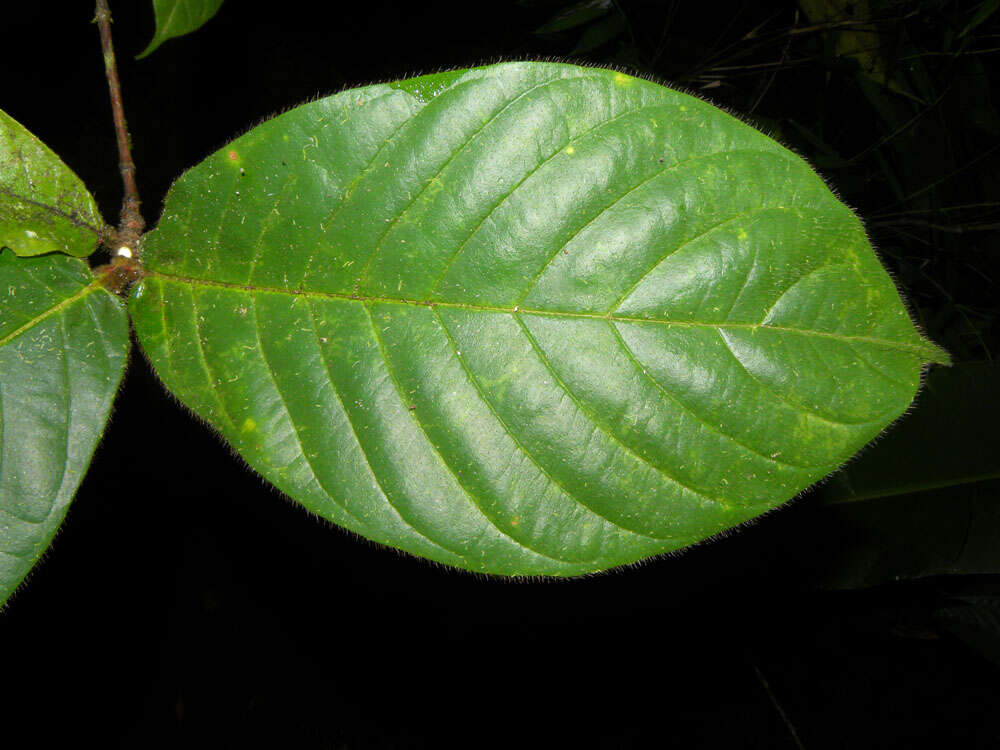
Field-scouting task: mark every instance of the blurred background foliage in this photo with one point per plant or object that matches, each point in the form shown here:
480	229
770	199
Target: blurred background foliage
198	609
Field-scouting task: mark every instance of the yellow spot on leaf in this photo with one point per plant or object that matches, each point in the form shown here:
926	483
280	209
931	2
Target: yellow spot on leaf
249	425
622	80
570	149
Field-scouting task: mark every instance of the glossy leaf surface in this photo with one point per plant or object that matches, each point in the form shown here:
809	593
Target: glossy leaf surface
525	319
63	346
44	207
179	17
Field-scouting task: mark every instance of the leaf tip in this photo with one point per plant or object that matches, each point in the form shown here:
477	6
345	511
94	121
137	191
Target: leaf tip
154	43
935	354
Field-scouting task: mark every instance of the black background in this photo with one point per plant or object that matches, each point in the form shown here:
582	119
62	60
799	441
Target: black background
185	604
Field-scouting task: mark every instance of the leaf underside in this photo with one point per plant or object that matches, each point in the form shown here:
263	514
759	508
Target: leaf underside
177	18
525	319
44	207
63	346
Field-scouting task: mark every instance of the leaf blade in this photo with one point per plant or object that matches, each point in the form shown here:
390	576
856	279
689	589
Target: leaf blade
63	346
540	304
179	17
44	207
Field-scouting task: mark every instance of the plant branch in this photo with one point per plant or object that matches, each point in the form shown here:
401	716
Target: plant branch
130	222
781	712
953	228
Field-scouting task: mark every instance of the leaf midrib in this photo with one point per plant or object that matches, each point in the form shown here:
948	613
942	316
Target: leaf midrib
71	218
927	352
49	312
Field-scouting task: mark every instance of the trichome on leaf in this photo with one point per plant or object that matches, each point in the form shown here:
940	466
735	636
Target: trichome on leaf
524	319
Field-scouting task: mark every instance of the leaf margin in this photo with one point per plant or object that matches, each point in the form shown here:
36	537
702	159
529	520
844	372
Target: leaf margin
926	349
102	318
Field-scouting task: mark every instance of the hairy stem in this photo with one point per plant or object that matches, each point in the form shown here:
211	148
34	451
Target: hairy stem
130	222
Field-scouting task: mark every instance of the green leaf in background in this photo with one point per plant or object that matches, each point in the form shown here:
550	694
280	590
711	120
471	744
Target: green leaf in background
44	207
63	346
575	15
927	501
525	319
856	39
983	12
179	17
600	33
975	619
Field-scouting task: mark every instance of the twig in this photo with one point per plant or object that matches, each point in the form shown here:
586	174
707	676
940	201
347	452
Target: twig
781	712
953	228
938	209
130	222
774	73
972	162
902	128
960	53
840	25
774	36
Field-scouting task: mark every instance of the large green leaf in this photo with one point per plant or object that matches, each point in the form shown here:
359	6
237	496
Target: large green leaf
179	17
63	346
525	319
44	207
